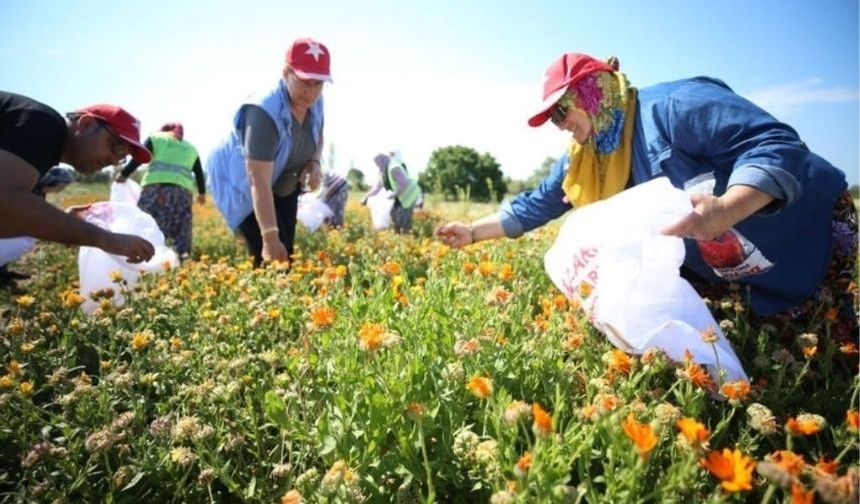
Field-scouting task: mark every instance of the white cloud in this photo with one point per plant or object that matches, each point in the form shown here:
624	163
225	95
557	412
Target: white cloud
786	99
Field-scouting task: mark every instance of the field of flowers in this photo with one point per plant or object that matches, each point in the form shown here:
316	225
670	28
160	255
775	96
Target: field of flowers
385	368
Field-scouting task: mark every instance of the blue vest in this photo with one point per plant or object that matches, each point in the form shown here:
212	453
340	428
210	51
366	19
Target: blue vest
226	175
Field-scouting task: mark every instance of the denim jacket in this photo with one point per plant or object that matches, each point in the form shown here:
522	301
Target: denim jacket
225	166
698	127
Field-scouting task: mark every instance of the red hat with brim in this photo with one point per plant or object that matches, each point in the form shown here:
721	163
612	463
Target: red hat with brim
125	125
310	59
564	73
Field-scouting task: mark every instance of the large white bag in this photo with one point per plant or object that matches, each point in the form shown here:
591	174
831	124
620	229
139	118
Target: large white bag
312	211
95	265
611	258
127	192
380	206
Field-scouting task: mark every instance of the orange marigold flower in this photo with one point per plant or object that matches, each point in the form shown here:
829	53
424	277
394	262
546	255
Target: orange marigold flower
480	387
618	361
469	267
788	461
371	336
831	314
573	341
698	376
737	390
800	495
14	367
732	467
506	274
607	402
642	435
694	431
415	411
542	425
292	497
523	464
809	351
391	268
849	348
852	418
805	424
827	466
322	316
498	296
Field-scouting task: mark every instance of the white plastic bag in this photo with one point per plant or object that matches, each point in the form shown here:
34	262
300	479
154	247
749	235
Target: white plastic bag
611	258
126	192
312	211
13	248
95	266
380	206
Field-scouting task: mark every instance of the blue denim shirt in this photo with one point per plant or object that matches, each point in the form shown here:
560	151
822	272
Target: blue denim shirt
225	166
699	126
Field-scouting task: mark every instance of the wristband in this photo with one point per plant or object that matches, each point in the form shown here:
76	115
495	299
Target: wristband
269	230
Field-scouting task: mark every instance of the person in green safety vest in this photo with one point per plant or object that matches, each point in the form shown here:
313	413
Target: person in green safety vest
167	185
394	176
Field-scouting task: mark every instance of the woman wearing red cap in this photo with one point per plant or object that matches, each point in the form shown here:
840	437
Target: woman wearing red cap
274	146
749	176
167	185
33	139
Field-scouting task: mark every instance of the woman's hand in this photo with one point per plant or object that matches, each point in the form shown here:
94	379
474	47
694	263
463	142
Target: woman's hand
712	215
311	175
455	234
274	249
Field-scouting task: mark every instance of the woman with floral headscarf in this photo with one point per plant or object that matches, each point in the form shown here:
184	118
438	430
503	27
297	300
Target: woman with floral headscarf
753	183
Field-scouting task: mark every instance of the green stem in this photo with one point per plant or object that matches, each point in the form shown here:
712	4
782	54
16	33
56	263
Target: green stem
428	471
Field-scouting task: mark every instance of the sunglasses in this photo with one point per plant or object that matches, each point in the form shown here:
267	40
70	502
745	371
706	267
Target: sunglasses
118	146
559	112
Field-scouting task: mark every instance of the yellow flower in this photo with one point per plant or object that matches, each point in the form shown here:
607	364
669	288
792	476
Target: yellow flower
116	276
693	431
486	268
27	347
26	388
732	467
371	336
6	382
25	301
140	340
480	387
14	367
618	361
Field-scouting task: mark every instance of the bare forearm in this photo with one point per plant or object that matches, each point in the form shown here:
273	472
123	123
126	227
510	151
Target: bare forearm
487	228
260	177
25	214
741	201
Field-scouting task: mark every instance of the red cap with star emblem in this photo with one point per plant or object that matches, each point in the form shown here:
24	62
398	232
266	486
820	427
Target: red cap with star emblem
125	125
310	59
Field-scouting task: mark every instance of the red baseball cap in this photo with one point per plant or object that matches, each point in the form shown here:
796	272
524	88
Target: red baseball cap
310	59
564	73
125	125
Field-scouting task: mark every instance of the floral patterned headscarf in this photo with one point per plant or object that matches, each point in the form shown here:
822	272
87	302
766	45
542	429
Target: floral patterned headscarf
601	167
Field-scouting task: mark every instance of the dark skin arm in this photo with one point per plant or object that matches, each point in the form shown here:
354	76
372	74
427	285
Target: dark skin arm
25	214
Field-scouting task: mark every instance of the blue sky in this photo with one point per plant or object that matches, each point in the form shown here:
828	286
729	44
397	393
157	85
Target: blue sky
419	75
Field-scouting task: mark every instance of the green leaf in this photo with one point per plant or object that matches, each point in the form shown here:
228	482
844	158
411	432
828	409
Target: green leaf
276	411
329	444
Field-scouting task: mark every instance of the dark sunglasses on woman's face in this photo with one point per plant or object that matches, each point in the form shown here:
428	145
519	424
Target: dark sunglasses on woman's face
118	146
558	114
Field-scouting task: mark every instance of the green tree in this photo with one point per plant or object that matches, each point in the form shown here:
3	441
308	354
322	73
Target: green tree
355	177
456	169
518	186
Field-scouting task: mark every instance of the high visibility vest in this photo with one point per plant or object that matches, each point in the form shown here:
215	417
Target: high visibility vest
172	161
409	196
